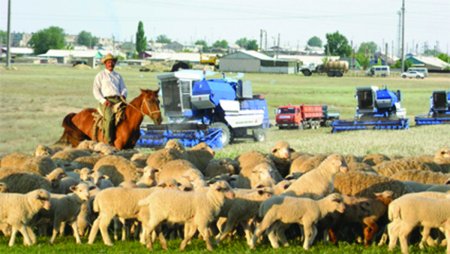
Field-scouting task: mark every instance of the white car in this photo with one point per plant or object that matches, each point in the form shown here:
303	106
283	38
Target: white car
412	74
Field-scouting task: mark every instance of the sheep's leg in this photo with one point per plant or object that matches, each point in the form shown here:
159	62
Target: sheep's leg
189	231
281	229
13	236
425	237
204	231
162	240
75	232
447	235
273	238
31	234
150	228
105	220
220	225
308	231
231	222
404	231
248	232
392	229
94	230
26	238
116	228
332	236
263	226
370	229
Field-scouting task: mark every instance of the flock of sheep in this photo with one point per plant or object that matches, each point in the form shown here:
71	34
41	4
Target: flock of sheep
177	192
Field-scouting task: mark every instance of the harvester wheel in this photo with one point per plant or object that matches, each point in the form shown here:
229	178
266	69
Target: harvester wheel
226	134
259	135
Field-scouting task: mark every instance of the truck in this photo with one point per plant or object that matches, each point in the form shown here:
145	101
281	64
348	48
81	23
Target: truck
304	116
209	59
196	107
331	68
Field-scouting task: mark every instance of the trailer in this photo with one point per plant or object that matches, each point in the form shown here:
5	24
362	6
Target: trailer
304	116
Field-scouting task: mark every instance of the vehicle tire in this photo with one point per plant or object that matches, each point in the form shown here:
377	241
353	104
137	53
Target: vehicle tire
259	135
339	74
404	76
331	74
306	72
418	77
226	133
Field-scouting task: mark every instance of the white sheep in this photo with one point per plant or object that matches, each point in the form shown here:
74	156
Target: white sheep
430	210
179	169
66	208
17	210
263	171
288	210
148	178
195	209
318	182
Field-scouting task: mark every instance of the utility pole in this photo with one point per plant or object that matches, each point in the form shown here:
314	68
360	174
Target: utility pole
8	38
403	35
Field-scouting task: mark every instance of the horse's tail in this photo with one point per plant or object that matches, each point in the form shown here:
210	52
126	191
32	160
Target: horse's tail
71	135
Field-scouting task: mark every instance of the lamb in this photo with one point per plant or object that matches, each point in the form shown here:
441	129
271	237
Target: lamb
66	208
305	163
162	156
282	155
196	209
421	176
318	182
375	159
200	155
40	165
117	168
177	169
19	181
261	172
87	161
42	150
17	210
218	167
148	178
139	160
391	167
410	211
363	184
304	211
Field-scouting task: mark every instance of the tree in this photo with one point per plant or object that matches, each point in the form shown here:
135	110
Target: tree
49	38
247	44
363	60
3	36
221	44
86	39
444	57
141	40
367	48
162	38
315	42
337	44
203	44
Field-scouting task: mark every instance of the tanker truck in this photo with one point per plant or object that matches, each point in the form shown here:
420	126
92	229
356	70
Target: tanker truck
331	68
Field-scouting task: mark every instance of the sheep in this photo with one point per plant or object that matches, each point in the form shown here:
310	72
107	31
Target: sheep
421	176
306	163
87	161
40	165
281	155
23	182
66	208
196	209
100	180
139	160
162	156
304	211
17	210
261	172
375	159
318	182
3	187
409	211
70	154
177	169
361	210
218	167
363	184
244	210
175	144
391	167
200	155
148	178
117	168
60	181
42	150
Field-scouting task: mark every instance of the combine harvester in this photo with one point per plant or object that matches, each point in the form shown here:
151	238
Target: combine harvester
214	111
378	109
439	110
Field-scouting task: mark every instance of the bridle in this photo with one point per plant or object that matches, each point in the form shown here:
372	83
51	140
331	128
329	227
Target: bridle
140	110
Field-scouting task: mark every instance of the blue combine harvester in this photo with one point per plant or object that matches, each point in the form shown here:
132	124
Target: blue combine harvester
439	110
215	111
378	109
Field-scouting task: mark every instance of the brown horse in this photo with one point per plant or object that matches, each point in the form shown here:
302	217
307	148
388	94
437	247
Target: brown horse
79	126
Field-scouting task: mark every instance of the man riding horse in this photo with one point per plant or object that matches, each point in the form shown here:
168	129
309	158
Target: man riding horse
109	89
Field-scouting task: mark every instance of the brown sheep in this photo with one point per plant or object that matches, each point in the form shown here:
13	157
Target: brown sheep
178	169
306	163
218	167
23	181
375	159
40	165
200	155
117	168
421	176
162	156
281	155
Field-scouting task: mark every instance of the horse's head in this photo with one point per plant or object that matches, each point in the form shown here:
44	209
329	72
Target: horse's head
150	104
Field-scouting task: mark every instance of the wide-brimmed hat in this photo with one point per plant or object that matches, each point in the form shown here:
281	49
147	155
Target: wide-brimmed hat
109	56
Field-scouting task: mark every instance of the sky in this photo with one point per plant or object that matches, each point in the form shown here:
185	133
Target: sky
295	21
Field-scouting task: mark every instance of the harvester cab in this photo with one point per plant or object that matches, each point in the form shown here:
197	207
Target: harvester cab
439	110
377	109
214	111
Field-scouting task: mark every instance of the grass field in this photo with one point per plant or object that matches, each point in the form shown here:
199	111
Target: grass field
34	100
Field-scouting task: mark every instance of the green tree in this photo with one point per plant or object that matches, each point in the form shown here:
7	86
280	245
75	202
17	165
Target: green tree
220	44
315	42
247	44
162	38
141	40
3	36
49	38
203	44
86	39
444	57
363	60
337	44
367	48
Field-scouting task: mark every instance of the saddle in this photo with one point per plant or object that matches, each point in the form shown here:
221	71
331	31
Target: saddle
119	113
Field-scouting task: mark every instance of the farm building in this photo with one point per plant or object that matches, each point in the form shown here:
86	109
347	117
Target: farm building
252	61
430	62
67	56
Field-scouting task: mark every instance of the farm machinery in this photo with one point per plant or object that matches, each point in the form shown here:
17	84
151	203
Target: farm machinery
304	116
215	111
377	109
439	110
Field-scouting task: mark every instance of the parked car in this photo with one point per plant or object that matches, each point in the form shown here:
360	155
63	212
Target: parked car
412	74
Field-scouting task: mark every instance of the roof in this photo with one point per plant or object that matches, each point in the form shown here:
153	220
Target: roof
188	57
19	51
252	54
66	53
431	61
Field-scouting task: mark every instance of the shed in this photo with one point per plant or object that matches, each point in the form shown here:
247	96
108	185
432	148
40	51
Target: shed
430	62
252	61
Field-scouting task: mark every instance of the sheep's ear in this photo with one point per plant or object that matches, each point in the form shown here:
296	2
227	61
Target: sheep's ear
291	150
274	150
448	181
162	185
73	188
92	187
261	192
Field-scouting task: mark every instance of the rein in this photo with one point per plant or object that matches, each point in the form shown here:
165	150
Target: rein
140	110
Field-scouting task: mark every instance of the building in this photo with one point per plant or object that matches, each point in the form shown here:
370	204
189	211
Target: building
430	62
71	56
252	61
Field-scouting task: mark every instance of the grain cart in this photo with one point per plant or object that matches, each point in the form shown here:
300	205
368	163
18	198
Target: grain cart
214	111
378	109
331	68
439	110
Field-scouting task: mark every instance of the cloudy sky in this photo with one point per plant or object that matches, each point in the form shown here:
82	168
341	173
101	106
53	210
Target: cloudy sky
427	21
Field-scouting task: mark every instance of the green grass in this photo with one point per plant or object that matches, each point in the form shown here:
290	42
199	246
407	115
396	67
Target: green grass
35	99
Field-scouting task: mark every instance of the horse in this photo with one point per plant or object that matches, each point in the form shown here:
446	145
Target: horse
80	126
